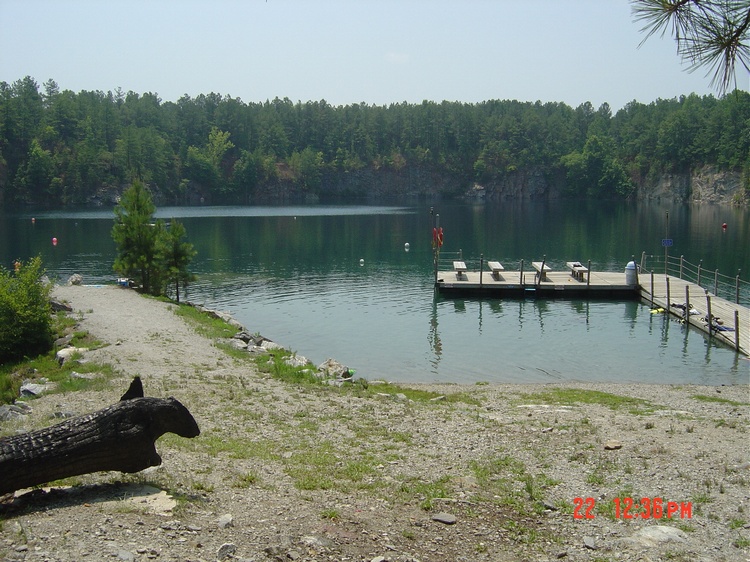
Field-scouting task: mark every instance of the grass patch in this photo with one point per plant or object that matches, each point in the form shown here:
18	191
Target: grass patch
95	375
213	443
330	514
204	324
312	468
570	396
507	482
322	466
741	543
363	388
246	480
425	491
718	400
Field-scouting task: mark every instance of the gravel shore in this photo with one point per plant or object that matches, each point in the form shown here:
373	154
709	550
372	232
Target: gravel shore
475	473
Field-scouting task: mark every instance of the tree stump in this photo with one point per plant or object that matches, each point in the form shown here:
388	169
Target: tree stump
120	437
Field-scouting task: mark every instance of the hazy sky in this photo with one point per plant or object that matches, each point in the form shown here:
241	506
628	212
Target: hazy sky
346	51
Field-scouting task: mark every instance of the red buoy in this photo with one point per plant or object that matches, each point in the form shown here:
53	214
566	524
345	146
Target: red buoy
54	241
724	226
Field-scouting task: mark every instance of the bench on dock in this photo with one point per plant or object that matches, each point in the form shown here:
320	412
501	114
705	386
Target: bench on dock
496	268
577	270
542	274
460	268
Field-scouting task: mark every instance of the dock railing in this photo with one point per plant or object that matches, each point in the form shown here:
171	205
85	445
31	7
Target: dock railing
447	258
733	289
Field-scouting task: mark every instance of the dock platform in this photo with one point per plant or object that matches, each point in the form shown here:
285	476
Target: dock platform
727	321
521	284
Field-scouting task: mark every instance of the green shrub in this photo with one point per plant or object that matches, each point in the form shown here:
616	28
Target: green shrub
25	322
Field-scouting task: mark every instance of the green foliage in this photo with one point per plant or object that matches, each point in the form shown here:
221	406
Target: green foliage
46	365
307	167
25	328
596	171
135	235
60	147
155	256
174	256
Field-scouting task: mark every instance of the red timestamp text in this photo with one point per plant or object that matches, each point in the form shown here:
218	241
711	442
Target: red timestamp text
629	508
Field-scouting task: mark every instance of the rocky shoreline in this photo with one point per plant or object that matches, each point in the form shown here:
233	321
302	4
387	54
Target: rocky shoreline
425	473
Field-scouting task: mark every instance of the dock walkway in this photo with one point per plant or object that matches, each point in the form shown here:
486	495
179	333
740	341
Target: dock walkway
732	326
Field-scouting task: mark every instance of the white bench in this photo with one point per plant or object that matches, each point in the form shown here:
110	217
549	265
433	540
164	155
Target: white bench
496	268
577	269
460	268
538	266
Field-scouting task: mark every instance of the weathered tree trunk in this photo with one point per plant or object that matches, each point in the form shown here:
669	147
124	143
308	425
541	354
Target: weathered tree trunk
120	437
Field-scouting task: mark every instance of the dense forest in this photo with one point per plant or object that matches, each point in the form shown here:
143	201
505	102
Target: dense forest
62	148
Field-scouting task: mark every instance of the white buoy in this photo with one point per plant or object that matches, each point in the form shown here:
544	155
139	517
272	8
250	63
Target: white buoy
406	247
362	261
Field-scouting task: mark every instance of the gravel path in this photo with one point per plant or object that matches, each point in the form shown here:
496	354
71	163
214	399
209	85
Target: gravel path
286	472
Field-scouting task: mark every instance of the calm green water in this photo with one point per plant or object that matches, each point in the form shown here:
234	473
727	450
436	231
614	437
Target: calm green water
294	275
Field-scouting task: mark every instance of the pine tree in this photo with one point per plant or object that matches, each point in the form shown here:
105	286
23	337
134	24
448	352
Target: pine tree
135	233
174	257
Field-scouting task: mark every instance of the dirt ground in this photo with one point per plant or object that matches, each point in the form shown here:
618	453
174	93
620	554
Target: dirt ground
469	473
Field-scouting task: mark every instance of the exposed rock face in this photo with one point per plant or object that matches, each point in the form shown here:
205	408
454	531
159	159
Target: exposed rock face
712	186
707	185
670	187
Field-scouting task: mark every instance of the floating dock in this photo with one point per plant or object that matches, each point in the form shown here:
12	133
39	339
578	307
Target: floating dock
521	284
724	320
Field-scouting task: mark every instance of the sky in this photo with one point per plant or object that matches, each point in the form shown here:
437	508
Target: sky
347	51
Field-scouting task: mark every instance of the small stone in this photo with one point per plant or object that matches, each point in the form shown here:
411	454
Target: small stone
612	445
654	535
296	361
226	550
446	518
589	542
125	555
34	389
561	554
12	411
225	521
379	559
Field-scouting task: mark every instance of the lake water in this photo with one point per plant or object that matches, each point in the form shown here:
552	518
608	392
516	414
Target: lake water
295	275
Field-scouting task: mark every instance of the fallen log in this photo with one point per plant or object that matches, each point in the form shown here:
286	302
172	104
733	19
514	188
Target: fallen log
120	437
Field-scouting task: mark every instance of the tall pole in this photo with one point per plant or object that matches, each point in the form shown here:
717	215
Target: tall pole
436	250
666	248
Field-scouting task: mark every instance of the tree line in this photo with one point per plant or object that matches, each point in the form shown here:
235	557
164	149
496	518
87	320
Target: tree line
61	148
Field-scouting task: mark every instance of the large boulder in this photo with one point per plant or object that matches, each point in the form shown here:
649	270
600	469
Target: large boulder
332	368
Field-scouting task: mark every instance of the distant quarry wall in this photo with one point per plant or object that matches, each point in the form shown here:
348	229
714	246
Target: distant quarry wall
707	185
